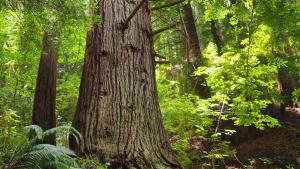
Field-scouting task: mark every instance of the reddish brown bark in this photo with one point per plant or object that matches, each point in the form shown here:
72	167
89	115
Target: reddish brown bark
286	80
191	36
286	83
118	113
193	51
286	87
43	113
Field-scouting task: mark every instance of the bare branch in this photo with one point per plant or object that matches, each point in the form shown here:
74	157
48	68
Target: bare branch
127	20
164	29
162	62
167	5
159	56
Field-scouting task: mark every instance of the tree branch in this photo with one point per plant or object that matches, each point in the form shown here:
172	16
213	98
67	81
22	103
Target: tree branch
164	29
159	56
162	62
167	5
127	20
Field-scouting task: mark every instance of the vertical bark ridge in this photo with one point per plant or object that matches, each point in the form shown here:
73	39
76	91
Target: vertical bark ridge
43	113
118	112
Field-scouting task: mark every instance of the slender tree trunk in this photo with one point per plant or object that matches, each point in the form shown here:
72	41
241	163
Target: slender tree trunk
216	36
170	47
193	51
43	113
118	112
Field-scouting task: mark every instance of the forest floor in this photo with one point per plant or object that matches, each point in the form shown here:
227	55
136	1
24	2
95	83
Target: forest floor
275	148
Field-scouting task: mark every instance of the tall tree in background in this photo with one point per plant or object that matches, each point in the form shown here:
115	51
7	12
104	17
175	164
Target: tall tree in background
194	58
43	113
286	78
216	35
118	113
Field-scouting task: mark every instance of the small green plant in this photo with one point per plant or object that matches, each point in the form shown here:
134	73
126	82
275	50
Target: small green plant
86	163
8	123
266	160
290	167
24	151
192	122
296	95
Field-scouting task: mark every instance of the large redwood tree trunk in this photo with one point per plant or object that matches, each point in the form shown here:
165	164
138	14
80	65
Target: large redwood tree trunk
118	112
194	58
43	113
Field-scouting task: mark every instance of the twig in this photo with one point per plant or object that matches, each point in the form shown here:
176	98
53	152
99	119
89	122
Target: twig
162	62
167	5
219	118
159	56
164	29
127	20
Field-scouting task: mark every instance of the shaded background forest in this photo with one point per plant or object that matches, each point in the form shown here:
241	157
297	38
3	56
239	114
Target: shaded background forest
227	75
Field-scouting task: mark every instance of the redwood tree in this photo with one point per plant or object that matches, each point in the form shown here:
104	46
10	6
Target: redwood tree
118	112
43	113
194	58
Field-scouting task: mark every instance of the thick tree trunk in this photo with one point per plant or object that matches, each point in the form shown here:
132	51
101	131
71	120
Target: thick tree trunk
43	113
193	51
286	81
118	112
286	85
286	88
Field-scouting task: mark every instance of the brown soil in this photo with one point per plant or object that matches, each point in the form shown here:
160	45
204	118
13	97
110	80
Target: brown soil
279	146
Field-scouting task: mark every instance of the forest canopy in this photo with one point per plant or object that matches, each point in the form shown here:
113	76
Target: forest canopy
149	84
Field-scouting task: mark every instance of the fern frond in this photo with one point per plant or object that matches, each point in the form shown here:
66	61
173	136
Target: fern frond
45	155
57	150
38	131
75	134
24	152
63	129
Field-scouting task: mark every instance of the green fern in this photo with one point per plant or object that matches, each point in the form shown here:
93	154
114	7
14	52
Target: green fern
23	152
45	155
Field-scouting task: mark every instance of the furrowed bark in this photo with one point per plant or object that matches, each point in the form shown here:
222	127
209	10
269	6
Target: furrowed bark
43	113
118	113
127	20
